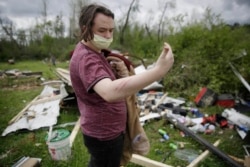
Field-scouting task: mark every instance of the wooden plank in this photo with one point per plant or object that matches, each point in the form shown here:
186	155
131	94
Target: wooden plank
64	75
202	156
239	160
247	161
20	114
52	82
47	99
160	101
63	70
74	132
146	162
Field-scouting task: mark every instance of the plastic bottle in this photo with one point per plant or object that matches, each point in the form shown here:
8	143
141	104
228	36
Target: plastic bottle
173	146
196	112
164	134
186	154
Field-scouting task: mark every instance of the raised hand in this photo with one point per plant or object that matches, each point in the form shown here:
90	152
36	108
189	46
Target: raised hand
166	59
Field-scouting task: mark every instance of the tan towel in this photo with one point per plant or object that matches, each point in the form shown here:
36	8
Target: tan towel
136	140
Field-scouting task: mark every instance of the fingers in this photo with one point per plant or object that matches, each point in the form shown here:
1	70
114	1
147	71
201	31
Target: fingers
112	58
166	59
166	51
116	63
119	65
166	47
120	68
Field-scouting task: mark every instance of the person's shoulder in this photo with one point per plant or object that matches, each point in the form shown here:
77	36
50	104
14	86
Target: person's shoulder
85	49
81	49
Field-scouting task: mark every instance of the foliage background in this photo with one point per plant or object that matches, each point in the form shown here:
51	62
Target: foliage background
202	48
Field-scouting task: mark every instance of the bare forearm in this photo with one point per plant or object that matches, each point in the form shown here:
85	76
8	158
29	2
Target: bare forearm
124	87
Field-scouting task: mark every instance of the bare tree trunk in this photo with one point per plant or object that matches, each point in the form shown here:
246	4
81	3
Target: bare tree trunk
168	4
8	29
44	14
148	31
75	6
44	11
161	21
126	23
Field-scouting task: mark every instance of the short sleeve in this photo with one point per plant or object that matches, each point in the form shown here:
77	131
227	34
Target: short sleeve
92	69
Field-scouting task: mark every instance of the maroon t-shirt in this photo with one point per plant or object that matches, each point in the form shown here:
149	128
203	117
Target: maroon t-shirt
99	118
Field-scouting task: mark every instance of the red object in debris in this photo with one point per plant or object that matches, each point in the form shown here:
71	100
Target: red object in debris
215	118
209	119
205	97
223	123
225	100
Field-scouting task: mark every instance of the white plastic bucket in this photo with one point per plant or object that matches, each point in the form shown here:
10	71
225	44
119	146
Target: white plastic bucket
59	145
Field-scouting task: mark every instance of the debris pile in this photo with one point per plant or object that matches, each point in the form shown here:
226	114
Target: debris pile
16	73
155	104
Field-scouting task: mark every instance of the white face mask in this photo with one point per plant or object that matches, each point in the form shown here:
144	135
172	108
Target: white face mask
101	42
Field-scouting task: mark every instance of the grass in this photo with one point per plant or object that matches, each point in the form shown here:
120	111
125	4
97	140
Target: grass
15	95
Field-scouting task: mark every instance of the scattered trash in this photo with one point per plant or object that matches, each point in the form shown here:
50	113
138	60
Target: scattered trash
241	122
206	97
195	111
225	100
154	105
17	73
210	128
181	145
202	141
198	128
173	146
186	154
164	134
236	118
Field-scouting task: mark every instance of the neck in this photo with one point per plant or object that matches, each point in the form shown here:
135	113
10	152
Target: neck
91	46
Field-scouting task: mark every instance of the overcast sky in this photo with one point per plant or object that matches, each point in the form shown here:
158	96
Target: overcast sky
24	13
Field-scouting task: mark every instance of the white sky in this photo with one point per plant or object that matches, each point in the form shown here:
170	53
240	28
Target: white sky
25	13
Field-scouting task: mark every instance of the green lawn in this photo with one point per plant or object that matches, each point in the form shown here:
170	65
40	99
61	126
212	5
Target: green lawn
16	94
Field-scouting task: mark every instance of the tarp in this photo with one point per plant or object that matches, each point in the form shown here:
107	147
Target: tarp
41	112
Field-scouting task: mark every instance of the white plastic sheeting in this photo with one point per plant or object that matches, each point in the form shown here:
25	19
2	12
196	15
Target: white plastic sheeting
42	112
